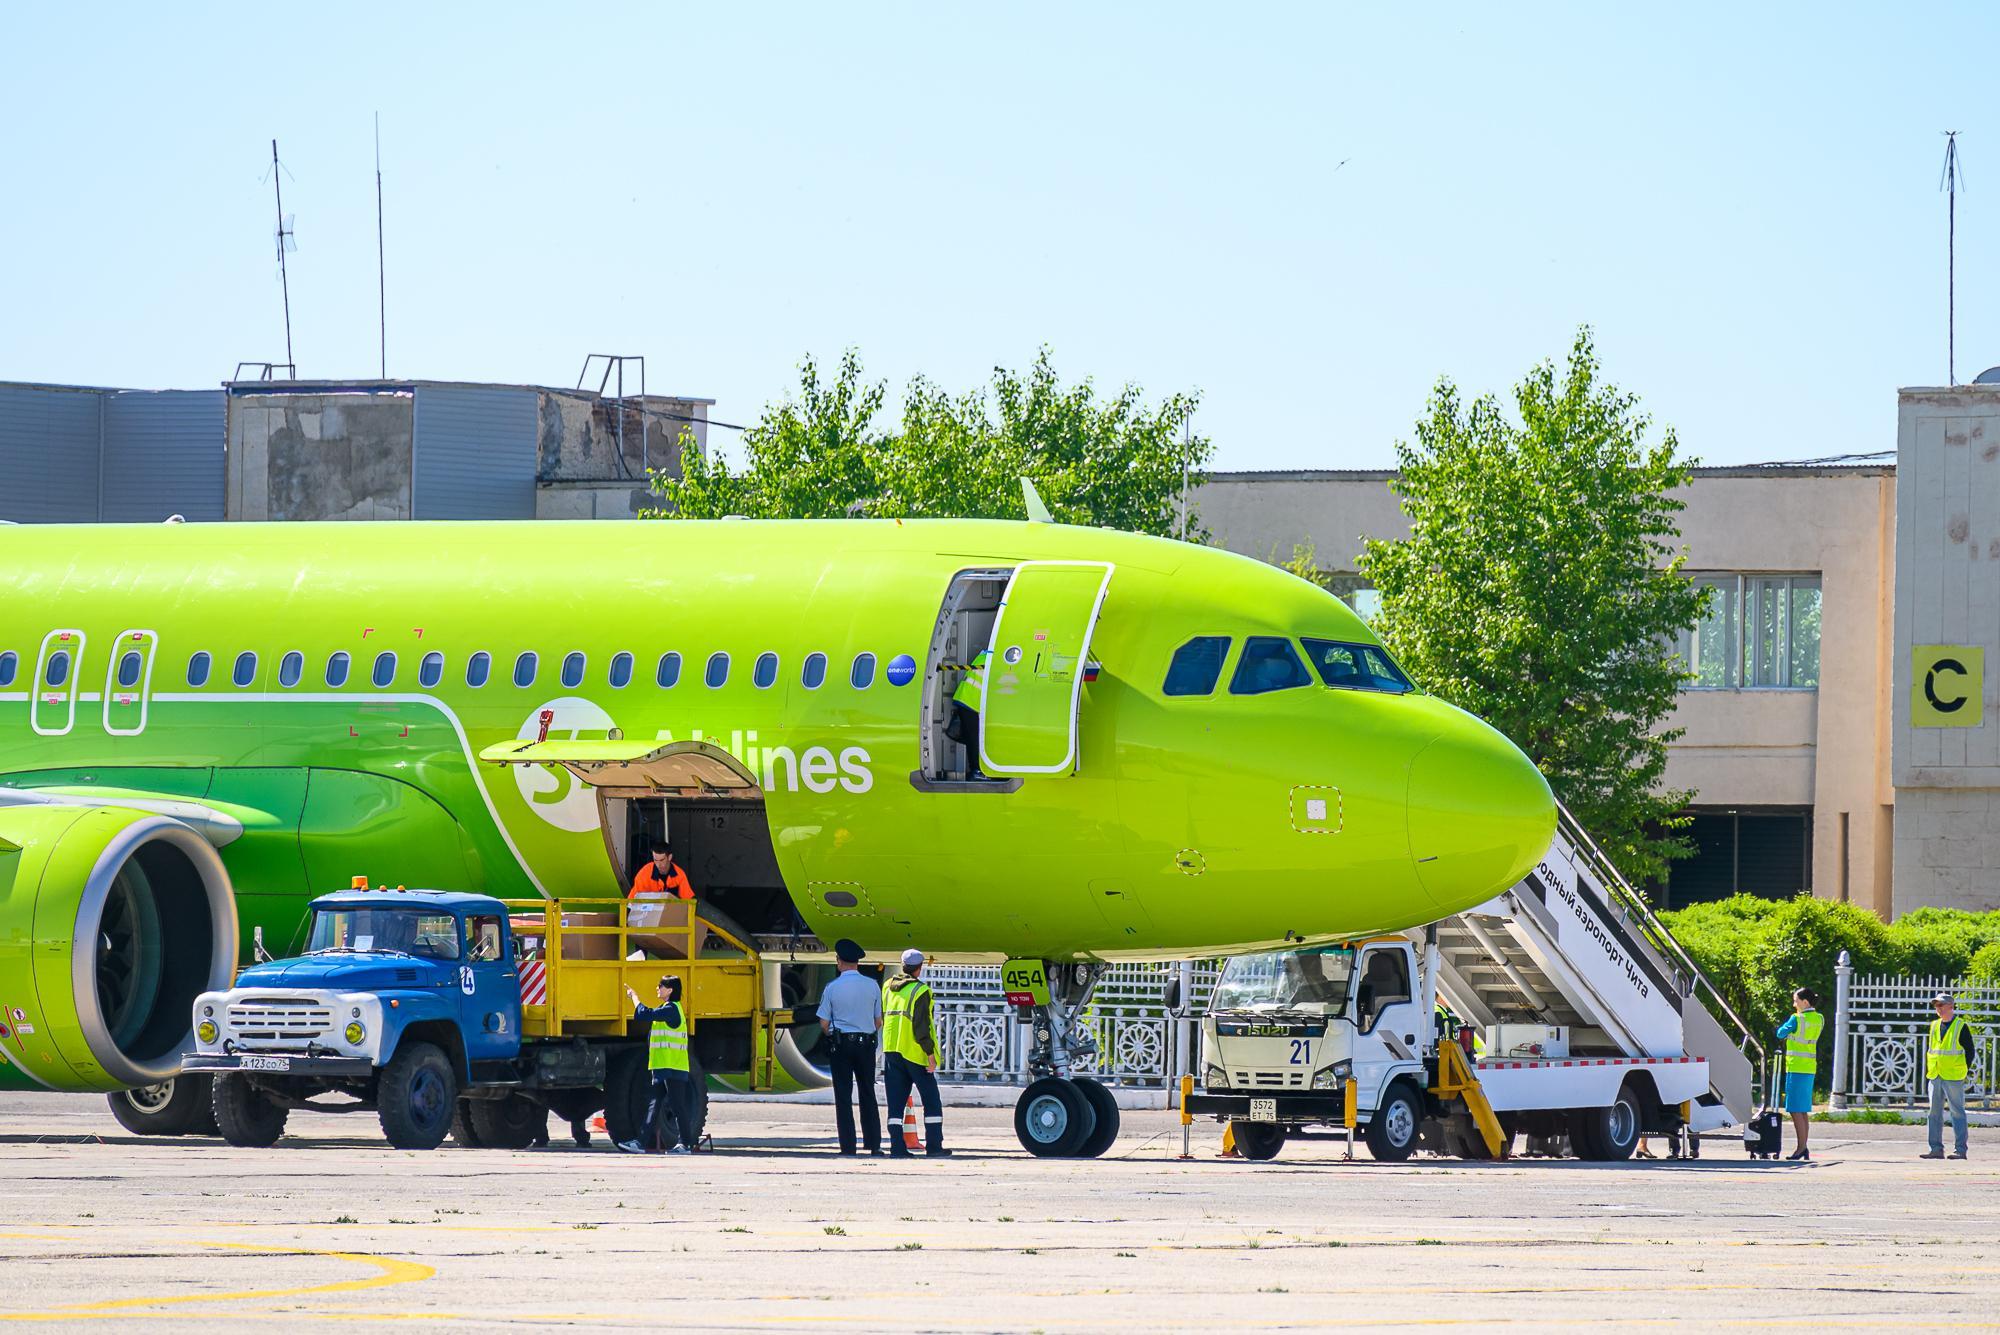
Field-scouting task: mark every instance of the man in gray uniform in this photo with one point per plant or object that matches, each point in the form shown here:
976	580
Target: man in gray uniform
850	1015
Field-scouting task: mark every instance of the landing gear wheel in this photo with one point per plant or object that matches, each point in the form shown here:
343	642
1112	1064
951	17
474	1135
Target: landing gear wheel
1105	1104
1258	1140
247	1117
416	1095
462	1129
183	1106
1053	1118
509	1123
1608	1134
1392	1132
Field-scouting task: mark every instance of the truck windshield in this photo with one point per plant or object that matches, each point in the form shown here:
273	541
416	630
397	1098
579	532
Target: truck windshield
1287	978
399	931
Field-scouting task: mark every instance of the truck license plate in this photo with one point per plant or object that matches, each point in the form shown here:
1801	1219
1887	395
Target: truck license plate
285	1064
1263	1110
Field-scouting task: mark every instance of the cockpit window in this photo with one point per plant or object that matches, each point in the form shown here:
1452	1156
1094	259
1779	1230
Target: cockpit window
1269	663
1356	667
1197	666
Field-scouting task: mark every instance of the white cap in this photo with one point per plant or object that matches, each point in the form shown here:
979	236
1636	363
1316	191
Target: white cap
912	959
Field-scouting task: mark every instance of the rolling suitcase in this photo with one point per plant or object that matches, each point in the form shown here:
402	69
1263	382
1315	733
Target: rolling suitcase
1764	1133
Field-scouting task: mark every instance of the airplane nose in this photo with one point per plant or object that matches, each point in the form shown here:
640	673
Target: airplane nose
1481	815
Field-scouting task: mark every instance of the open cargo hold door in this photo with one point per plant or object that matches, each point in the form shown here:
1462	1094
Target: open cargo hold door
1034	677
677	767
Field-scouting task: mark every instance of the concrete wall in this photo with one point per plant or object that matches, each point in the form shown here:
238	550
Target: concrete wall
1757	747
1948	593
320	454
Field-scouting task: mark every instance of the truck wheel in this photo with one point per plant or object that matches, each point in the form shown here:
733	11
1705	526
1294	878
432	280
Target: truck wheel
625	1087
416	1094
1392	1131
1105	1104
509	1123
462	1129
245	1115
1258	1140
1608	1134
1052	1118
183	1106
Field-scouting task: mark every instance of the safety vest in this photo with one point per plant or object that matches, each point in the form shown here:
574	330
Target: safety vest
899	1008
1944	1057
1802	1048
648	882
668	1048
971	690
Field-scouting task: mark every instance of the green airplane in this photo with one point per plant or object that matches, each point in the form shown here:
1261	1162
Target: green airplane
990	740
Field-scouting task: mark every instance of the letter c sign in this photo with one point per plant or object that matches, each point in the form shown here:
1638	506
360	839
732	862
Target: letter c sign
1947	685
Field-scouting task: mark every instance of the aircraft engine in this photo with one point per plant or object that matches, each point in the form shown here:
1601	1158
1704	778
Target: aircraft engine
112	921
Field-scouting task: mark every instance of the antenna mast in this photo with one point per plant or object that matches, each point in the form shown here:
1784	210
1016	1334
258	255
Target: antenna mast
1951	182
285	242
381	279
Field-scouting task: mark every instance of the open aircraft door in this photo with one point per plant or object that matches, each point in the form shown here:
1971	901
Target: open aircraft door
665	767
1035	672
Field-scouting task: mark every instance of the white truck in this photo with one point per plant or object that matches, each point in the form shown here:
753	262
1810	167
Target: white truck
1574	1018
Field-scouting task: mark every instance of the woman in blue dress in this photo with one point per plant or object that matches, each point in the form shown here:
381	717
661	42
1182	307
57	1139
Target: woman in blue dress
1801	1038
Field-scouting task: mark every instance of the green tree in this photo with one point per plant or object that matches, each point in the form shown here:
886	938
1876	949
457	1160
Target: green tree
1111	461
1539	589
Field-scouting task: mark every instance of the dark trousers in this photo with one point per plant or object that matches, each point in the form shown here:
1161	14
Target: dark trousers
899	1076
672	1099
853	1065
967	720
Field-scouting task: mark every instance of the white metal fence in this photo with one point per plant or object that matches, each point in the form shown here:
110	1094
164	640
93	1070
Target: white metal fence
1880	1025
1140	1043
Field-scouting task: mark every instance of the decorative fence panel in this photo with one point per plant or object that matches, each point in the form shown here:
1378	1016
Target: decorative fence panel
1881	1025
1140	1044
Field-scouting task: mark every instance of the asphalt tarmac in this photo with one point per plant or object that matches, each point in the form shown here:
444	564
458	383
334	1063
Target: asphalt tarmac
331	1228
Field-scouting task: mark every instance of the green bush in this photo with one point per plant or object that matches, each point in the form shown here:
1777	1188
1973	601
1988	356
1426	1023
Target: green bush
1985	965
1942	942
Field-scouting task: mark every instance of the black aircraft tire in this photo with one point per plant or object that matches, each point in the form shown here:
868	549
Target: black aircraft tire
1053	1118
1105	1104
183	1106
416	1096
1393	1131
1258	1140
462	1129
245	1117
509	1123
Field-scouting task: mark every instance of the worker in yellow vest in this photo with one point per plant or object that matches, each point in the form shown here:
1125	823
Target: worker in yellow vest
672	1093
1947	1059
967	702
909	1054
1801	1036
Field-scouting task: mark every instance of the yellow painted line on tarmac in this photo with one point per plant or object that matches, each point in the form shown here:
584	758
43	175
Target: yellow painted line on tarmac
390	1271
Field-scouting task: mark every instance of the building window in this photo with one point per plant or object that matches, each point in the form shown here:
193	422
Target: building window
478	668
198	668
1760	632
1762	851
668	672
290	668
337	664
764	675
621	671
430	671
524	669
385	668
814	672
572	670
246	668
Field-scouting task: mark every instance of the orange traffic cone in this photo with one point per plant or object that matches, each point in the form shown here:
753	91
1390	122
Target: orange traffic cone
912	1134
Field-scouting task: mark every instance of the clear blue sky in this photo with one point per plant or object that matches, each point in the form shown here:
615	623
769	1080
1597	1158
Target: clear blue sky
1308	214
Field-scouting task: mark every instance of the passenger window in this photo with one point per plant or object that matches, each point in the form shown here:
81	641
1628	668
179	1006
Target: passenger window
862	675
10	663
57	671
1356	667
524	669
1384	981
482	936
290	668
1269	663
431	670
129	667
572	670
814	673
478	668
245	671
718	669
621	671
765	674
1197	666
385	668
668	672
198	668
337	664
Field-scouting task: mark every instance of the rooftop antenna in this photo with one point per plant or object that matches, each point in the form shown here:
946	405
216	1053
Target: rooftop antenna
286	241
381	277
1951	181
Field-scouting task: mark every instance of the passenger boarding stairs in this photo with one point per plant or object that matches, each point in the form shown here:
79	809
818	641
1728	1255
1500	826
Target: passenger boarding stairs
1575	945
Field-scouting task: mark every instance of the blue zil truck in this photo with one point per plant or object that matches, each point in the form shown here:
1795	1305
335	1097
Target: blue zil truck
462	1014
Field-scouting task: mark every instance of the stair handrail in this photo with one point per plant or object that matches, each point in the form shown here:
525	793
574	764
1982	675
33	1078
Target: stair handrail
1633	904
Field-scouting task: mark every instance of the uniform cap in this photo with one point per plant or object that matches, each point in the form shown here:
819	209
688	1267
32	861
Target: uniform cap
1943	999
912	959
847	952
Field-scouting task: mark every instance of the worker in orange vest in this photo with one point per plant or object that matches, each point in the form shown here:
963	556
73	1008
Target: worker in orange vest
662	877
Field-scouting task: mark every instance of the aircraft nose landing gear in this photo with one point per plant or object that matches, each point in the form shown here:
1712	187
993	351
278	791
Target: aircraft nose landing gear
1061	1114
